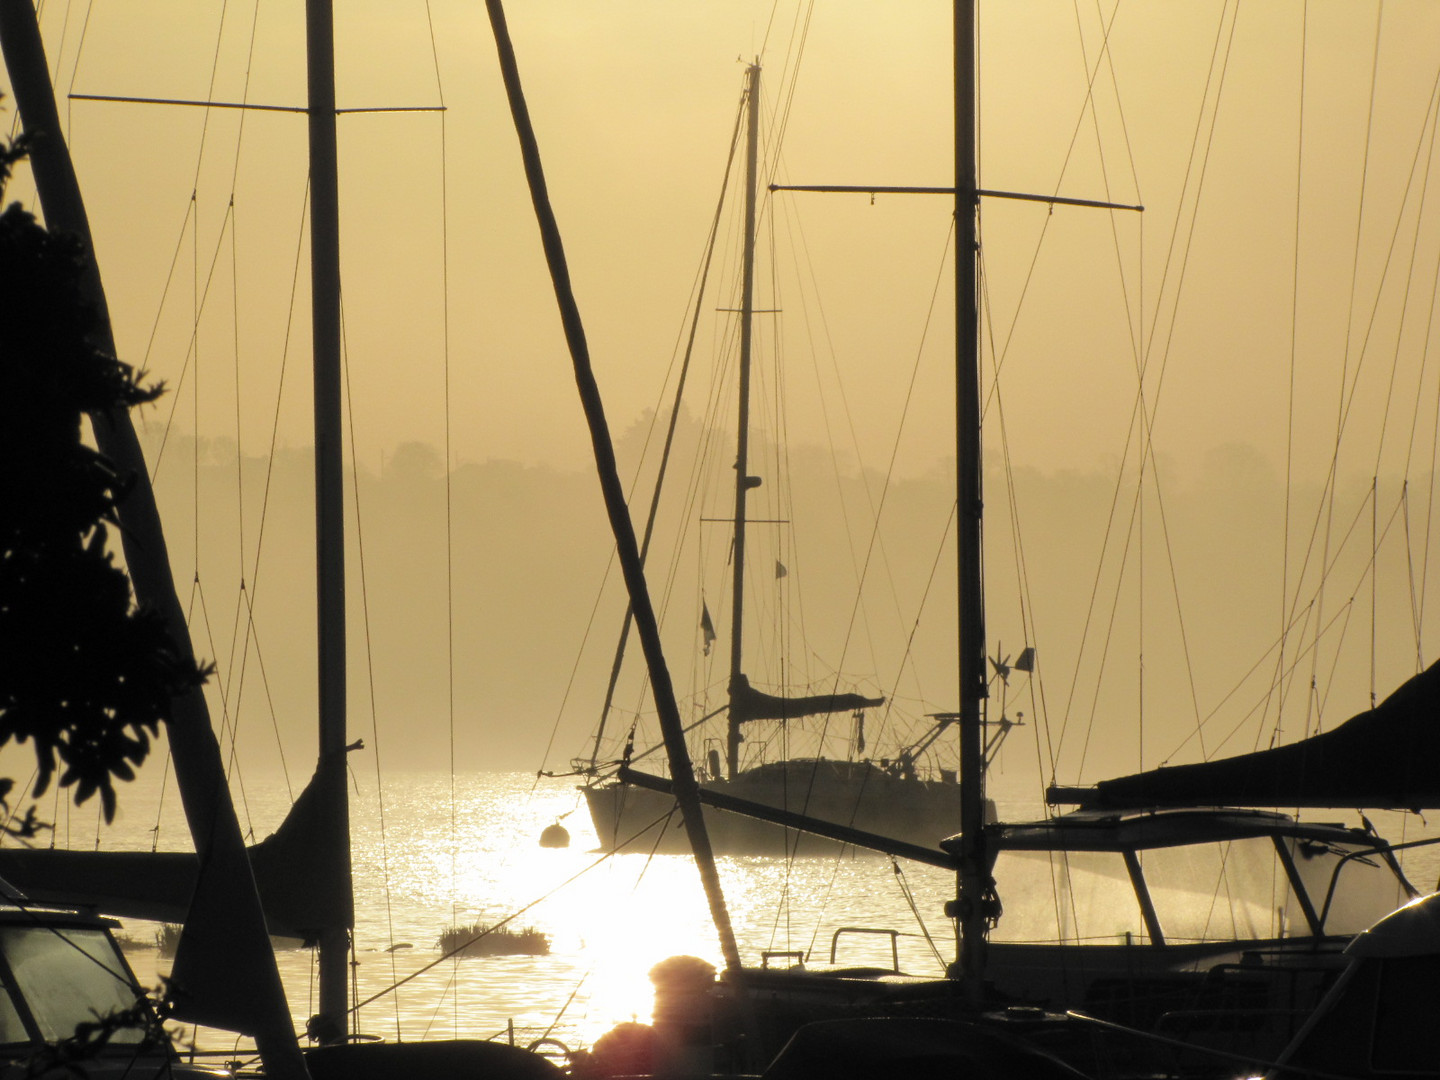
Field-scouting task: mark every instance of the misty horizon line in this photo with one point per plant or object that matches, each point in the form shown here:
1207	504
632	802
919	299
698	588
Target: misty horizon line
419	459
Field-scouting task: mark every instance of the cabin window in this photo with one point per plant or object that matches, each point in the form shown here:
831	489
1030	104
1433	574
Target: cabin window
1084	897
68	976
1232	891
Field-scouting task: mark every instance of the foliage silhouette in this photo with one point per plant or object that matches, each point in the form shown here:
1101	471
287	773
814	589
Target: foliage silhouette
85	674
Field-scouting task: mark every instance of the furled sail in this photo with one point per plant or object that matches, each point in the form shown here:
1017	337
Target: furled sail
747	703
1384	758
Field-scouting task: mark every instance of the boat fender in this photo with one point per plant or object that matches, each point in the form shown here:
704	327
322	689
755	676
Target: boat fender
555	836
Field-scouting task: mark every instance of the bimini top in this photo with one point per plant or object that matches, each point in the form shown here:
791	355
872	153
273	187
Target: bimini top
1138	830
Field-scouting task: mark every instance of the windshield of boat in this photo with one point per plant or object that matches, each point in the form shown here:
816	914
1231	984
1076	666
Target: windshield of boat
1081	897
1365	888
65	976
1232	891
1237	890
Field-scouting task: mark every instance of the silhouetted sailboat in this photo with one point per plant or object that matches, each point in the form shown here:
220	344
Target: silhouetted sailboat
872	798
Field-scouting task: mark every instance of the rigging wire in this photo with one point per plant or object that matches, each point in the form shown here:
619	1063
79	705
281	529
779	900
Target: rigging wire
904	885
683	355
682	377
297	262
1416	599
1304	612
375	743
1346	354
999	353
1350	381
1143	416
1278	687
1427	131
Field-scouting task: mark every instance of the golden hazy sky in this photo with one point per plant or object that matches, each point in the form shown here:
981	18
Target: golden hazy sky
1258	303
634	103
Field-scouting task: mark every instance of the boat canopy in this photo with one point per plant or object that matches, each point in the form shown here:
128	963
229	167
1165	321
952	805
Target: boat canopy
1381	759
1153	876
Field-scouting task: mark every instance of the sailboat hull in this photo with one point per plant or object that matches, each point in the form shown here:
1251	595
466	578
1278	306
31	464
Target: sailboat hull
856	794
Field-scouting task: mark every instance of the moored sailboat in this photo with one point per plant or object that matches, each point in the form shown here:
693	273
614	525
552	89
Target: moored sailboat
890	795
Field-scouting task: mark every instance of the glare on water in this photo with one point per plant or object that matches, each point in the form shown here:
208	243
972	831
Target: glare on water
461	852
465	851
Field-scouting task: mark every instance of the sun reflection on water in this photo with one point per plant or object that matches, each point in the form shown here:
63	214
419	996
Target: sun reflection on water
457	853
468	852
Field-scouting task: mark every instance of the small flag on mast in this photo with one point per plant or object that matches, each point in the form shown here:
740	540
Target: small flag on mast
707	628
780	570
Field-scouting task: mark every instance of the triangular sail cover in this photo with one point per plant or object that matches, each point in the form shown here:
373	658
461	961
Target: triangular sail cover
1384	758
303	875
302	872
747	703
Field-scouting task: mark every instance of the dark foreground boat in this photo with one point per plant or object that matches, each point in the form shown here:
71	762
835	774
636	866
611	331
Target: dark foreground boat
1379	1018
71	1005
1196	940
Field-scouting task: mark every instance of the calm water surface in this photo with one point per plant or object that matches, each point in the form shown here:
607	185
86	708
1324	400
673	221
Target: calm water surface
452	855
436	853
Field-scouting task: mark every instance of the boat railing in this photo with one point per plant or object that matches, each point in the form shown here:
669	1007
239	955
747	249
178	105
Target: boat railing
1387	852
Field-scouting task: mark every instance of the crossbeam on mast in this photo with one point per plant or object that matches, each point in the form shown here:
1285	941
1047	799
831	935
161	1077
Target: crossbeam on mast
900	189
195	103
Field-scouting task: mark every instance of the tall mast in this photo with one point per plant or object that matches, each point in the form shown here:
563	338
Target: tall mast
627	549
743	480
974	873
329	472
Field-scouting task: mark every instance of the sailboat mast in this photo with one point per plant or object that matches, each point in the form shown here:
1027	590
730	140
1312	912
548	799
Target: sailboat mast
743	480
974	868
329	472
